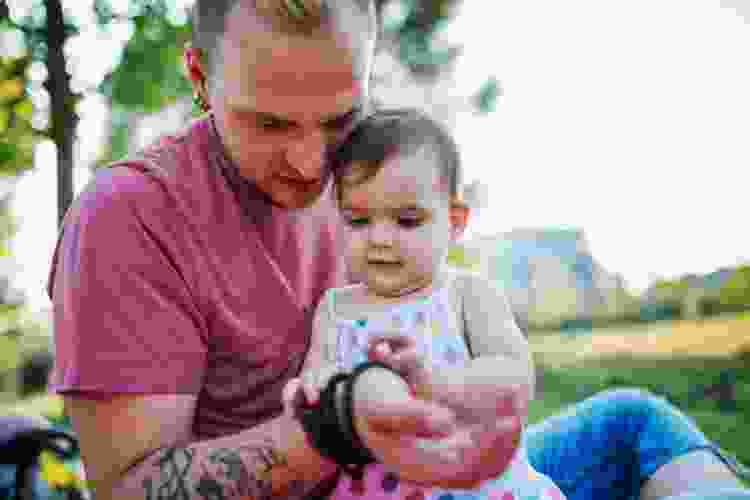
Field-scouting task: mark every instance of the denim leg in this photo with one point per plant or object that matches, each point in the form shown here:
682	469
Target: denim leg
606	446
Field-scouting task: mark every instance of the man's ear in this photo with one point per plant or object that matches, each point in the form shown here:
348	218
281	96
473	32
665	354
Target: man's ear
459	217
195	69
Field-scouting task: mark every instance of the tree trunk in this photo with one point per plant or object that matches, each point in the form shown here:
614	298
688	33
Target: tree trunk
63	117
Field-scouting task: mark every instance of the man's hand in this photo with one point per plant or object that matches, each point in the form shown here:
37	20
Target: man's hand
396	427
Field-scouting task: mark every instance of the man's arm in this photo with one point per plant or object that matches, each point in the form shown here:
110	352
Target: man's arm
139	446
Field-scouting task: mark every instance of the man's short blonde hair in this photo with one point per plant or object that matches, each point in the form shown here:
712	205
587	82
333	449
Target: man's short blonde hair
290	17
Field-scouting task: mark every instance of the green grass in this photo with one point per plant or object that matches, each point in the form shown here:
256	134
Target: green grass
676	379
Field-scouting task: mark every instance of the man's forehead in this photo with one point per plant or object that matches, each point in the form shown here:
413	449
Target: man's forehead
348	41
275	74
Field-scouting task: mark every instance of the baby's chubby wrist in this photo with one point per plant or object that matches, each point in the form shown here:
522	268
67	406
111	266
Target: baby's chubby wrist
421	384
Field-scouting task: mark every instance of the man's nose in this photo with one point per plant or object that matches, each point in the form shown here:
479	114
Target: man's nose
306	154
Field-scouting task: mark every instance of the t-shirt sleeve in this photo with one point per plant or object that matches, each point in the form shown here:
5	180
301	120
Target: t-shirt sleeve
125	320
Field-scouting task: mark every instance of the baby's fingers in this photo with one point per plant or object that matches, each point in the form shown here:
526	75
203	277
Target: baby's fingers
291	393
314	381
393	343
311	387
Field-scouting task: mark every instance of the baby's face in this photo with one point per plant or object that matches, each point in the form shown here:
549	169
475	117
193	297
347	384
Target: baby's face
398	224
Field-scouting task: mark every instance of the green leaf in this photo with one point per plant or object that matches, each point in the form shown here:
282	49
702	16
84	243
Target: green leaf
487	96
24	109
8	153
4	119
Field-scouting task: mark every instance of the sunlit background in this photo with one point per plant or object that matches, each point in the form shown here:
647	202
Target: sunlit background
628	121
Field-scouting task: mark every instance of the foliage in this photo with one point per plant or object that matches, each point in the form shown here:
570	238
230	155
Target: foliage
64	479
413	26
486	97
736	290
460	257
150	74
17	135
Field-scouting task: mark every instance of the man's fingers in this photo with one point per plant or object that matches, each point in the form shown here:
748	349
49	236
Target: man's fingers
411	417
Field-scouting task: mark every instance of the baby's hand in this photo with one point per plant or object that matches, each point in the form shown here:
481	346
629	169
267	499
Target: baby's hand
400	352
313	381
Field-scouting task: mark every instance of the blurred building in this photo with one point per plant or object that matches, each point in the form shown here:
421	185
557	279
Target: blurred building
549	274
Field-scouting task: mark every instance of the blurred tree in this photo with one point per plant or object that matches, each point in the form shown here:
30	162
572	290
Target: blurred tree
17	135
461	257
150	74
17	138
45	31
735	293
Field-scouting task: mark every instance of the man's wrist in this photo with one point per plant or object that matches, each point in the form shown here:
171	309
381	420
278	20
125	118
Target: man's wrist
311	461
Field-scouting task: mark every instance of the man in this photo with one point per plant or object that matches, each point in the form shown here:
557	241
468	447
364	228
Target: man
185	277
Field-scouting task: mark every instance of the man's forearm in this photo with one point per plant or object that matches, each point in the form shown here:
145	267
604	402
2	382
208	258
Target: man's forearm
270	461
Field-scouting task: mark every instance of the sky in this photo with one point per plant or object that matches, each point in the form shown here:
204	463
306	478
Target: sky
629	120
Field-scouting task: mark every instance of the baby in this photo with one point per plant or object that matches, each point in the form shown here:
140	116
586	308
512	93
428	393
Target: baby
398	189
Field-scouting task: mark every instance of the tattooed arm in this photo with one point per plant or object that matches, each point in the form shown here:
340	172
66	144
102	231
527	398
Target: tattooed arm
137	447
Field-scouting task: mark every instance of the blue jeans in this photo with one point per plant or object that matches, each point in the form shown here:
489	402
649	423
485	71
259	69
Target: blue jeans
608	445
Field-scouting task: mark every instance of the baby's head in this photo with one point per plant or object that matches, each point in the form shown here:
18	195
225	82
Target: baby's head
398	186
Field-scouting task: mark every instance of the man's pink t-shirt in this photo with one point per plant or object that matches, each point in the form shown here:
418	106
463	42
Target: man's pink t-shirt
174	275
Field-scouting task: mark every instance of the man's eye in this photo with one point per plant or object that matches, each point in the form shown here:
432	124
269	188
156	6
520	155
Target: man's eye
342	122
271	123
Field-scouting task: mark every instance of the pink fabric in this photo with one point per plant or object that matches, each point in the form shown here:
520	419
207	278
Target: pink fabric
167	278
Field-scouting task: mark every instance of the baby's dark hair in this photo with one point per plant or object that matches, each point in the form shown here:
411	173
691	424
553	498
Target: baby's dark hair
386	133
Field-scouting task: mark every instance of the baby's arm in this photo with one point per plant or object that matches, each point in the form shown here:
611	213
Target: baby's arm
498	345
502	357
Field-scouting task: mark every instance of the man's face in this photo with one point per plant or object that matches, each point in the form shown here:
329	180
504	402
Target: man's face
398	224
281	102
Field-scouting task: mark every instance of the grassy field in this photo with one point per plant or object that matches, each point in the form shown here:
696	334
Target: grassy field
671	359
717	337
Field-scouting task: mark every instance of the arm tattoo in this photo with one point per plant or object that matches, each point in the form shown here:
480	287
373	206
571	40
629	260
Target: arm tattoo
224	474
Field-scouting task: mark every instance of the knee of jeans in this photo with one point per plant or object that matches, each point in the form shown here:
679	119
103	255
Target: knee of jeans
633	401
632	395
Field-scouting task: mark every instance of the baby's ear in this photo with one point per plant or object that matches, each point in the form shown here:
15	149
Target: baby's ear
459	218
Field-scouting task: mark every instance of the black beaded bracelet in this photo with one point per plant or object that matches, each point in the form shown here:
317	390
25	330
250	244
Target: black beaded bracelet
321	422
332	432
348	428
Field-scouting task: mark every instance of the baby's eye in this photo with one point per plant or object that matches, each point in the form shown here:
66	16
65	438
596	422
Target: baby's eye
410	222
357	221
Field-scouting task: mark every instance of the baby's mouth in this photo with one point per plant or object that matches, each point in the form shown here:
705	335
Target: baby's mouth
384	263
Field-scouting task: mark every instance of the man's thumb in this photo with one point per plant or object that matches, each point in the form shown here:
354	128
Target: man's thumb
411	417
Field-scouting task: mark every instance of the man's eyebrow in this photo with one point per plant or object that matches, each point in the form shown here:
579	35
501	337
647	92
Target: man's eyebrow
264	115
269	116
